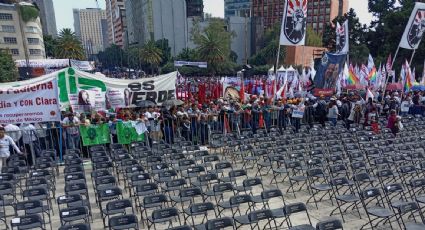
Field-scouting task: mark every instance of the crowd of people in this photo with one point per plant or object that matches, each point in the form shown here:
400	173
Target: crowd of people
196	122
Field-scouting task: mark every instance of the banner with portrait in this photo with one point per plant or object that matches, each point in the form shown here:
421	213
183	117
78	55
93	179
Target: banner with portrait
415	28
330	68
85	92
95	134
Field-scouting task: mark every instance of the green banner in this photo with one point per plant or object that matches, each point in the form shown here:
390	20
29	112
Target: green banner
127	133
95	134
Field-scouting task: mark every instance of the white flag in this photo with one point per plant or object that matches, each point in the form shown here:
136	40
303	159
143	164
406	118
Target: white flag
342	38
415	28
369	94
370	63
293	30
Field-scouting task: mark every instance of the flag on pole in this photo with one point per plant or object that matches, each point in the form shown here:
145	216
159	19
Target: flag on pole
346	75
312	70
353	79
383	78
372	75
423	75
370	63
281	93
389	64
293	30
369	94
342	37
242	91
415	28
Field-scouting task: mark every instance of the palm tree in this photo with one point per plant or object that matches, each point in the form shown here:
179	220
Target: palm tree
211	48
151	54
69	46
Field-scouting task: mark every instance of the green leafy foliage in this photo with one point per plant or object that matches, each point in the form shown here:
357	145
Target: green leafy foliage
28	13
8	71
69	46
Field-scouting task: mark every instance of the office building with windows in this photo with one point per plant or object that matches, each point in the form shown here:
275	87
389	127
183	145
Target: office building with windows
47	16
116	19
24	40
319	12
239	8
88	27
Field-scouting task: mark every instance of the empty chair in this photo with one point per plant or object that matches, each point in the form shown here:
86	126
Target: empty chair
27	222
75	227
345	196
167	215
297	208
332	224
220	224
117	207
69	215
411	216
128	221
374	206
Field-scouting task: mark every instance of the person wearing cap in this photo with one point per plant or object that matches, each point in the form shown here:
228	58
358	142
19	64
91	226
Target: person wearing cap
333	111
70	124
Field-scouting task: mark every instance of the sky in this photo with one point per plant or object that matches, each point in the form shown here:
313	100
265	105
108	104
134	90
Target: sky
64	17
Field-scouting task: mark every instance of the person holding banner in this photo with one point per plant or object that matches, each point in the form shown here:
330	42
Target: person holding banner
5	142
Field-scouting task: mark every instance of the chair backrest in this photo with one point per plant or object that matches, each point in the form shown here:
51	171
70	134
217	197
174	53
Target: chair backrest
119	205
70	200
201	207
154	199
371	194
290	209
237	173
80	188
184	227
251	182
27	222
223	165
80	226
176	183
166	213
218	224
105	181
6	188
123	222
332	224
30	206
240	199
223	187
143	188
258	215
74	213
109	193
191	192
36	194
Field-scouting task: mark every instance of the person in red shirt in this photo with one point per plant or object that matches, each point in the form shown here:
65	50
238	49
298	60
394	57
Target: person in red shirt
392	119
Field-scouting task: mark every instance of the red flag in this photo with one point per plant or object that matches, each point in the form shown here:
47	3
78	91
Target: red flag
261	121
242	92
201	93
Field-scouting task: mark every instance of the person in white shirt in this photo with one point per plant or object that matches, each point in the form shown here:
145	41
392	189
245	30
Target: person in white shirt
70	124
5	142
14	132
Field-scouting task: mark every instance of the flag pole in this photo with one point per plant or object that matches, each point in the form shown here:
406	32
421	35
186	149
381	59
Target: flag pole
411	58
276	67
390	71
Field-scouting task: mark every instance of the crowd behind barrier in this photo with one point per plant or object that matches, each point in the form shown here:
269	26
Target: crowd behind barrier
196	122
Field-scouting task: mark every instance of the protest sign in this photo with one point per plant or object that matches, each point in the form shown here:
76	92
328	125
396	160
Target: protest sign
95	134
127	133
76	89
29	101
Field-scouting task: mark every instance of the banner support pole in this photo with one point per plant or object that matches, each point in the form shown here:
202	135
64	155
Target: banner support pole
390	71
411	58
276	68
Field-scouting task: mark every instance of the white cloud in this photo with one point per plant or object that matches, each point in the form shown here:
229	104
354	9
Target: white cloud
214	7
362	10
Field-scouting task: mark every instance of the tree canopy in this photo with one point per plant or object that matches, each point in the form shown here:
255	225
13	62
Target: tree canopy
8	71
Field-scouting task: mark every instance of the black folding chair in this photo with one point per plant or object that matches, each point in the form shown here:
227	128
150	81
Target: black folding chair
375	208
167	215
128	221
295	209
332	224
70	215
27	222
220	224
75	227
344	194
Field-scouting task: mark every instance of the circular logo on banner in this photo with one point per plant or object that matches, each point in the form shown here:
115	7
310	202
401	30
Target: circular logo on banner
91	133
52	113
325	59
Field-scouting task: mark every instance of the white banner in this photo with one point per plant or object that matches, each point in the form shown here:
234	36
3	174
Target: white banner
294	21
189	63
415	28
85	92
82	65
29	102
342	38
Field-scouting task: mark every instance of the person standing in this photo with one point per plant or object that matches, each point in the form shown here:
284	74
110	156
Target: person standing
6	142
70	124
392	120
333	112
320	107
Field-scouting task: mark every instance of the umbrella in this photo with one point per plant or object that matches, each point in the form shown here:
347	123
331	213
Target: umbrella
172	102
418	88
145	103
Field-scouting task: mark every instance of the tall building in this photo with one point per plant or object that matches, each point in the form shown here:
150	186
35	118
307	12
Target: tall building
195	8
158	19
47	16
240	8
319	12
24	40
88	27
116	18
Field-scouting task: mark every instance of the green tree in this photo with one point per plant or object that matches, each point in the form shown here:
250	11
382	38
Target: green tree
313	38
113	56
8	71
150	54
69	46
165	48
269	45
213	46
50	45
